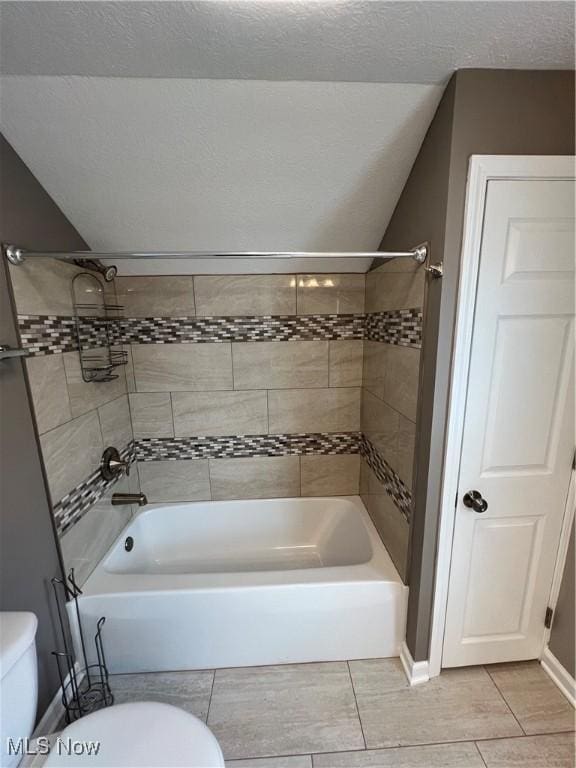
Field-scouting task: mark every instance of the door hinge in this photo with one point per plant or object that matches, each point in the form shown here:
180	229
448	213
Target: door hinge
548	617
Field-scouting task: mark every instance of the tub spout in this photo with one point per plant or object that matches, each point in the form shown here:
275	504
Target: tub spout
129	498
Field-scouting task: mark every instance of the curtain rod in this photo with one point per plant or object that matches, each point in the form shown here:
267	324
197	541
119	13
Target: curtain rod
17	255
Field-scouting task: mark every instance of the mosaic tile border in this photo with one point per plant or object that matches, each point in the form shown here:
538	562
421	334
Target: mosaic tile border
72	507
247	446
202	330
401	327
47	334
392	482
52	334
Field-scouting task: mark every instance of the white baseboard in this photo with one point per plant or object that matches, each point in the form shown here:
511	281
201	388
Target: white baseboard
416	671
54	713
559	676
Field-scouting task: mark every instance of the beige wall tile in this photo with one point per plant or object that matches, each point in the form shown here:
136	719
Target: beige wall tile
394	290
401	382
158	296
392	526
245	295
115	423
398	265
374	367
43	287
85	396
280	364
314	410
220	413
380	423
345	363
182	367
255	478
71	453
151	414
84	545
49	391
181	480
330	475
406	443
331	294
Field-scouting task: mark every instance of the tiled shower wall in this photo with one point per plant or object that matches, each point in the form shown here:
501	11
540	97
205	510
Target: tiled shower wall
389	400
237	387
245	386
76	420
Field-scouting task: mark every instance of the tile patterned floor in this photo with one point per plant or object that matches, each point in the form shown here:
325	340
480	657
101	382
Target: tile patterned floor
363	714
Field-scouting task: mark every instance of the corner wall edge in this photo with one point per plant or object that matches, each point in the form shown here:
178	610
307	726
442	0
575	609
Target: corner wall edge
417	672
559	675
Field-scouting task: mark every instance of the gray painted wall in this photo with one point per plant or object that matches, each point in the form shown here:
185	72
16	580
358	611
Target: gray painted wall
562	641
29	555
481	112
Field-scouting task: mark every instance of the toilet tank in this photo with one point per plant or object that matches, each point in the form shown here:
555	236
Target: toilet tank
18	681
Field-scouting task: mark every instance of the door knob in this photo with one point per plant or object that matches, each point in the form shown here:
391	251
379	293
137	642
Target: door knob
473	500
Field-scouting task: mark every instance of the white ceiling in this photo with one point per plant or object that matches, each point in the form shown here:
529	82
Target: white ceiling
153	164
421	41
302	141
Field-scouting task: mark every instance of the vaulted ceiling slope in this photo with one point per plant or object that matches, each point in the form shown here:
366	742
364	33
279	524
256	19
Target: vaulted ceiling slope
244	125
155	164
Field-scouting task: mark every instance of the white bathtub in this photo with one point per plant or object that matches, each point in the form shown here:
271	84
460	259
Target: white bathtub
239	583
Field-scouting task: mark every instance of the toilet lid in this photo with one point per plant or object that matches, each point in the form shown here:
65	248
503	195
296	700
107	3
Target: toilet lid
139	735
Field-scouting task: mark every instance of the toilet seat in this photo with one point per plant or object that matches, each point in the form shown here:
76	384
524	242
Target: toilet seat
139	735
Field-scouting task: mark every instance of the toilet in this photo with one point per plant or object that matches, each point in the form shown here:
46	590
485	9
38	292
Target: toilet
138	735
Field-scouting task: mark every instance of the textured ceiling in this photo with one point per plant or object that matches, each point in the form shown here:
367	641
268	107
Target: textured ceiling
302	139
422	41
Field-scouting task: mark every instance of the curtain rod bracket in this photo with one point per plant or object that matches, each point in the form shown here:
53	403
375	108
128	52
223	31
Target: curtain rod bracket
420	253
14	255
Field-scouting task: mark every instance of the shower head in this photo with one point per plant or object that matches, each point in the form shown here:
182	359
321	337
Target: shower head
94	265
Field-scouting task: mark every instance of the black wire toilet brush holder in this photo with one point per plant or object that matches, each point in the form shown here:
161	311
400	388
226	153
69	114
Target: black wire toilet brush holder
85	689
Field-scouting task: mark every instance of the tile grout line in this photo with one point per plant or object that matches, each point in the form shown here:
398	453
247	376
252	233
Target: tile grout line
232	367
296	295
505	701
193	278
368	750
210	480
172	412
211	693
480	754
356	704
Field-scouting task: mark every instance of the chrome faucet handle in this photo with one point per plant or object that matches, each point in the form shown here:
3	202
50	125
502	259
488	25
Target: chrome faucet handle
112	465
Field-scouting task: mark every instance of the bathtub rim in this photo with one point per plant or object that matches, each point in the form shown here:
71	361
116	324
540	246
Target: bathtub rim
379	568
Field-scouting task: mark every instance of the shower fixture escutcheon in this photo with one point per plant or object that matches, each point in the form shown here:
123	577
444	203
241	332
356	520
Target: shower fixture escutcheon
112	465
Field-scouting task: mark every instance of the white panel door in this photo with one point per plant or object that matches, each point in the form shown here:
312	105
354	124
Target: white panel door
518	441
